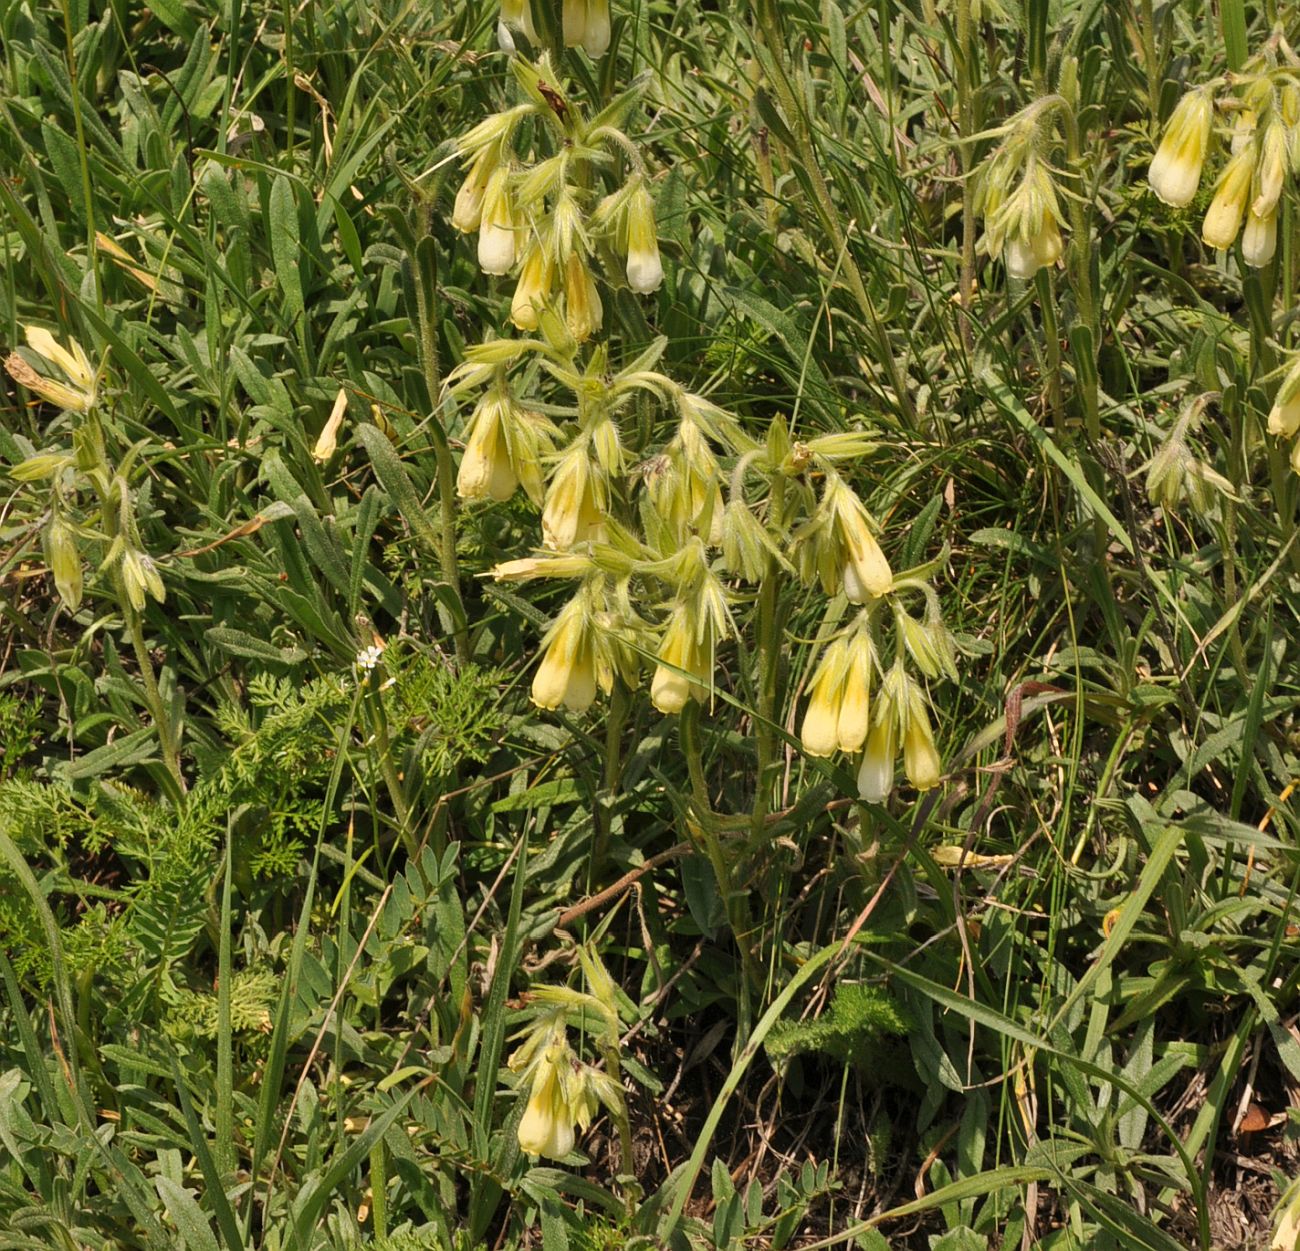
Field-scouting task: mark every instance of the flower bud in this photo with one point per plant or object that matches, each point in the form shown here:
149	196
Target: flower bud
1270	173
140	577
527	567
645	271
1167	473
1231	194
1175	172
327	443
42	465
747	548
65	562
918	641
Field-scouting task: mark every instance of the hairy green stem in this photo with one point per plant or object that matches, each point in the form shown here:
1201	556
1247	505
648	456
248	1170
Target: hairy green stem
1080	262
770	651
613	769
966	155
734	900
426	302
1151	65
627	1175
152	695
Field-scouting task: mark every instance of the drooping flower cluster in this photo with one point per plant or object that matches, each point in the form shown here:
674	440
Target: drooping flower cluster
82	467
1017	197
1176	474
1260	108
655	505
844	712
564	1093
540	221
585	24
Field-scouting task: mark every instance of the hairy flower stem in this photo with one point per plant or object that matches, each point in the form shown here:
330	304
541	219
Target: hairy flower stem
769	665
966	155
1043	280
374	711
627	1168
706	832
152	696
1080	263
1151	62
613	769
770	25
425	266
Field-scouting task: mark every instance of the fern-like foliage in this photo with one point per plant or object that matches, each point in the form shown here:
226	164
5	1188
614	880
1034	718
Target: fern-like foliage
859	1017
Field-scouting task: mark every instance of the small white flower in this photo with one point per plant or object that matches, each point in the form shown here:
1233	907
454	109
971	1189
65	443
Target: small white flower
368	658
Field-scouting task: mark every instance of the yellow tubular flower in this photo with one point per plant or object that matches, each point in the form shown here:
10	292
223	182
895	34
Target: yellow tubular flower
496	234
566	676
595	39
77	398
467	212
645	270
1284	419
1259	238
582	308
1026	255
854	719
866	572
328	442
573	22
533	287
75	364
921	760
876	773
485	469
572	513
669	690
1175	172
1270	173
1231	194
820	732
547	1124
